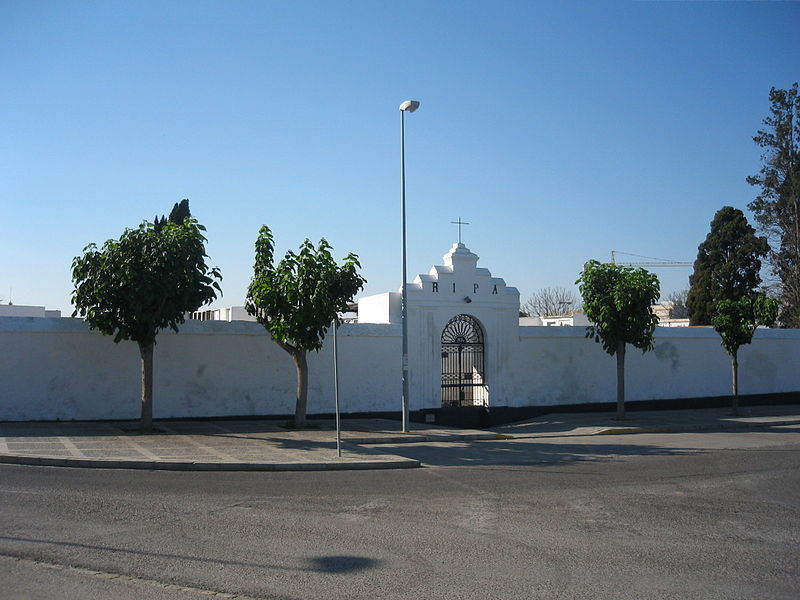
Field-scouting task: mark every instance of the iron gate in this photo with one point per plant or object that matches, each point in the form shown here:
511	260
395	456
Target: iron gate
463	382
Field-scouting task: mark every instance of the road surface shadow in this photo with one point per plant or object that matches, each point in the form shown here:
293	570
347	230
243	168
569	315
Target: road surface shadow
315	564
517	452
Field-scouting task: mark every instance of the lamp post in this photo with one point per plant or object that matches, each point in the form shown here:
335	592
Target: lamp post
407	106
336	387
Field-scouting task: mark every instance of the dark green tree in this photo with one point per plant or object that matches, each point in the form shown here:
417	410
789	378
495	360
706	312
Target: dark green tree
179	213
298	299
736	322
777	206
727	266
617	301
142	283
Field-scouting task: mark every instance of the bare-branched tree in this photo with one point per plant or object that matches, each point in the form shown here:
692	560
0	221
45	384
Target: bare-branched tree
678	300
551	301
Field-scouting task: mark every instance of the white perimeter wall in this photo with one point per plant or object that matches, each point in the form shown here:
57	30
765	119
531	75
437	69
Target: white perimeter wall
59	369
558	365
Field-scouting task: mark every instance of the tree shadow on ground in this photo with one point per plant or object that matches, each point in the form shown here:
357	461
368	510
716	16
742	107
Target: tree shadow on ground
519	452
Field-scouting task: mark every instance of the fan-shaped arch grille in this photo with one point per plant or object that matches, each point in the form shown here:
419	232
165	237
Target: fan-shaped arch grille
462	329
463	381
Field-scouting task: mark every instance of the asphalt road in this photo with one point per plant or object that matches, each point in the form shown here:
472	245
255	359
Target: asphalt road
712	515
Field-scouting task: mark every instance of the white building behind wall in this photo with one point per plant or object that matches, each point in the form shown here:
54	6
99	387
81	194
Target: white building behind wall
225	313
576	318
20	310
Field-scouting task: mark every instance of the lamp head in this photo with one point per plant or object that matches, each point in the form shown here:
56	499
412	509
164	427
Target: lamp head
409	105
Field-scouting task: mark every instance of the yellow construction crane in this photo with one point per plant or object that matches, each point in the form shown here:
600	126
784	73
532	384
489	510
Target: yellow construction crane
655	262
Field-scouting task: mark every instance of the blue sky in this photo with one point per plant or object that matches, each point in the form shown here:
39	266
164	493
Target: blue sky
560	131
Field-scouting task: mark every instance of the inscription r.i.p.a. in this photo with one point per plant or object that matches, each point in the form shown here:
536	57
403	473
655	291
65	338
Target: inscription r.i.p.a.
475	288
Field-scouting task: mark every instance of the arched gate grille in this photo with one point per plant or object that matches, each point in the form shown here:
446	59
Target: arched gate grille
463	382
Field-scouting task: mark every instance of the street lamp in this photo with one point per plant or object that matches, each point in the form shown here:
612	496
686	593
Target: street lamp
407	106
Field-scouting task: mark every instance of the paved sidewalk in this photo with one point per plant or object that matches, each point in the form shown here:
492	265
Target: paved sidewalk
265	445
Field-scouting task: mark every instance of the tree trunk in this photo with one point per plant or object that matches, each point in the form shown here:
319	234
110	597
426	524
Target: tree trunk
146	352
301	365
621	381
735	369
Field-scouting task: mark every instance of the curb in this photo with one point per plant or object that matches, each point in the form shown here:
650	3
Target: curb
48	461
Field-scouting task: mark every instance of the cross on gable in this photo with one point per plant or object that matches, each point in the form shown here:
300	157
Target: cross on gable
459	223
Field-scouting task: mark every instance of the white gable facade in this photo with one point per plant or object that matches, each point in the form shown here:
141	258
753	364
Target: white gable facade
463	326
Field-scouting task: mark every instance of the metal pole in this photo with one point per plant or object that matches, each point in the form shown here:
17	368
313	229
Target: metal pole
405	291
336	388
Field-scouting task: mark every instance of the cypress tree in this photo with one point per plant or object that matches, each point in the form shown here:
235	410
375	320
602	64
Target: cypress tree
179	213
727	266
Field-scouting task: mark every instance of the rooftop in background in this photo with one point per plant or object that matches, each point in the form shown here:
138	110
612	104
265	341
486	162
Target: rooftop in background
19	310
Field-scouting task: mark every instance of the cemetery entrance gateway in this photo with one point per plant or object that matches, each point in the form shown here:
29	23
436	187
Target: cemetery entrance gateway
462	363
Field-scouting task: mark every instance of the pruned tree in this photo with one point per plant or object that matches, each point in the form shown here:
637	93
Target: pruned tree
146	281
777	206
298	299
617	300
678	301
736	321
550	301
727	266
